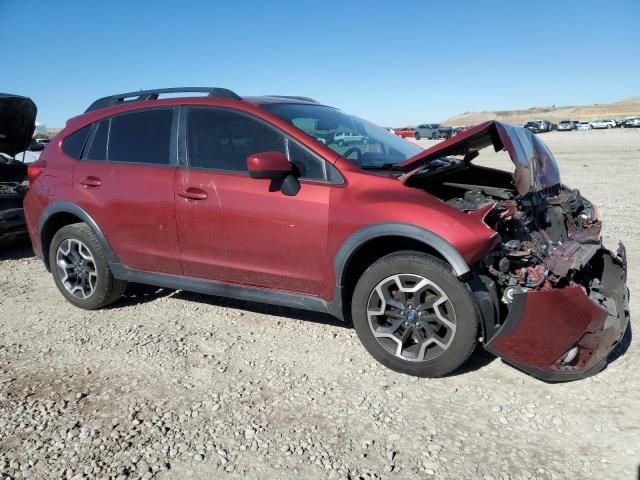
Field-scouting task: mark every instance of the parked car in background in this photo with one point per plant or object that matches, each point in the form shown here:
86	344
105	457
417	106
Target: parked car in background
17	123
405	132
35	146
600	124
425	252
630	123
565	125
582	126
349	138
43	141
433	131
538	126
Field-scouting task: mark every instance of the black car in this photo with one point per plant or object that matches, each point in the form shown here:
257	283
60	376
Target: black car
17	123
629	123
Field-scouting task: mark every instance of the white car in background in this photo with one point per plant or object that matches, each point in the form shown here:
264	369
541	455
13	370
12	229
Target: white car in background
349	138
581	126
603	124
565	125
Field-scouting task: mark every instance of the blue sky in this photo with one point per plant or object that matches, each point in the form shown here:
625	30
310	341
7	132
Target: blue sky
395	63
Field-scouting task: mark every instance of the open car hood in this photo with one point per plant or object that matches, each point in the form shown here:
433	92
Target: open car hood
17	123
536	167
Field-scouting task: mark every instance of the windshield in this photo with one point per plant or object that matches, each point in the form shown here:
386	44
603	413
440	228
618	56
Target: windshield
363	143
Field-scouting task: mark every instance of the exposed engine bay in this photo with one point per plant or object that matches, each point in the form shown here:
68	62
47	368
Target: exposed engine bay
548	237
553	300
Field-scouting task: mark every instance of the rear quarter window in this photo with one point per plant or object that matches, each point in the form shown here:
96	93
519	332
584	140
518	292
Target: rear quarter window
74	143
98	148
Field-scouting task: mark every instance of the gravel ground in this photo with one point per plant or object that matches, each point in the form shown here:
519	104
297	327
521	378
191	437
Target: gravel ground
174	385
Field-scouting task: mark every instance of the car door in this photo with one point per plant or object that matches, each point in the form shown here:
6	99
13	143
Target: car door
124	181
243	230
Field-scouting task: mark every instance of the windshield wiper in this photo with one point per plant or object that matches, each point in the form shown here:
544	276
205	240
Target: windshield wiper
378	166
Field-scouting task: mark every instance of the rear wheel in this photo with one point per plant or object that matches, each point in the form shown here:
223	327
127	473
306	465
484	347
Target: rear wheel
414	316
435	136
80	268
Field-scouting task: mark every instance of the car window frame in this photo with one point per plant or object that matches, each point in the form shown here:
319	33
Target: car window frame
173	144
184	154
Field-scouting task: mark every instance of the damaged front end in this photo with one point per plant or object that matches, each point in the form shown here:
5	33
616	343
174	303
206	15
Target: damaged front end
554	300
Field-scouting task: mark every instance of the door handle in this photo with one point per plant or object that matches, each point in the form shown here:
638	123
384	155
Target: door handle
91	181
193	194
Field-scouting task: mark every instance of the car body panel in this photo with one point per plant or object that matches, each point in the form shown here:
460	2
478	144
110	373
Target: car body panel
539	330
536	167
237	208
134	205
17	123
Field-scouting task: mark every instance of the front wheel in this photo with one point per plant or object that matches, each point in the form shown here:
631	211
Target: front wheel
417	135
414	316
80	268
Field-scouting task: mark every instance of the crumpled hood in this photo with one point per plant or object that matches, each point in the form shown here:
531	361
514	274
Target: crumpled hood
536	167
17	123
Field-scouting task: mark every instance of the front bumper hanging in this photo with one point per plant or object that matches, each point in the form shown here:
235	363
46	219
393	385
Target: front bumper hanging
567	334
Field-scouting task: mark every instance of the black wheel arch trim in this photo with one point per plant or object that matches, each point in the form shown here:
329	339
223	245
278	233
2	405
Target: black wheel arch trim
392	229
67	207
429	238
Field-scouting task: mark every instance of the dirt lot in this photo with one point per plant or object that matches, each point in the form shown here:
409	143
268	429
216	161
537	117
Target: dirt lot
176	385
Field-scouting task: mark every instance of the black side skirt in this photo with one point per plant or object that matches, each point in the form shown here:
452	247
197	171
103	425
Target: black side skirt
208	287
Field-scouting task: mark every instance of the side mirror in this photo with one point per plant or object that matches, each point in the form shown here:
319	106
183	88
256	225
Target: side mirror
276	166
268	165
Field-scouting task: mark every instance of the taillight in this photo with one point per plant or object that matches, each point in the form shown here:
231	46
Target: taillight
35	169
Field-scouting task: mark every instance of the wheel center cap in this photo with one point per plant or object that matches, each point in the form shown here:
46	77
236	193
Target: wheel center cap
412	315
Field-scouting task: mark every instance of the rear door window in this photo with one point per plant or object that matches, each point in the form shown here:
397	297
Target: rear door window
141	137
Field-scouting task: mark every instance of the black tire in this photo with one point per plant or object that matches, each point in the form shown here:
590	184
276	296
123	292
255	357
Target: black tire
107	288
435	136
467	316
417	135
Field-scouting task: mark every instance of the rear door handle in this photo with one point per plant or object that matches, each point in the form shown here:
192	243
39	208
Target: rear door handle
91	181
193	194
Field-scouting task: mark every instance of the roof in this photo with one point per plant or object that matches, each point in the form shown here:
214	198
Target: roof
208	92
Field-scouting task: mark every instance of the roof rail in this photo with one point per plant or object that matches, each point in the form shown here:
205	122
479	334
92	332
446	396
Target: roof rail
144	95
296	97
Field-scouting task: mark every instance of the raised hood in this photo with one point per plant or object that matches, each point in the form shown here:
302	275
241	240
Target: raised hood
536	167
17	123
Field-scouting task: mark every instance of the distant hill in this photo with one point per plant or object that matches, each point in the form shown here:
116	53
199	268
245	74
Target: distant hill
629	107
52	132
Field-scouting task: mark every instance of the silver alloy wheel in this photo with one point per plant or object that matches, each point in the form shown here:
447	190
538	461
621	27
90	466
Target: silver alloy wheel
76	268
411	317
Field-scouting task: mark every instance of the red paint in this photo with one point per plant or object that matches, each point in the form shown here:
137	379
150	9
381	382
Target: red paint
268	165
549	324
405	132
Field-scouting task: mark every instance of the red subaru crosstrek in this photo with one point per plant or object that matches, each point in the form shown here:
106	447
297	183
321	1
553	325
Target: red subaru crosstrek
254	198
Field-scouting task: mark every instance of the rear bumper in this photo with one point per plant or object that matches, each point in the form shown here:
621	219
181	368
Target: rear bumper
543	326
